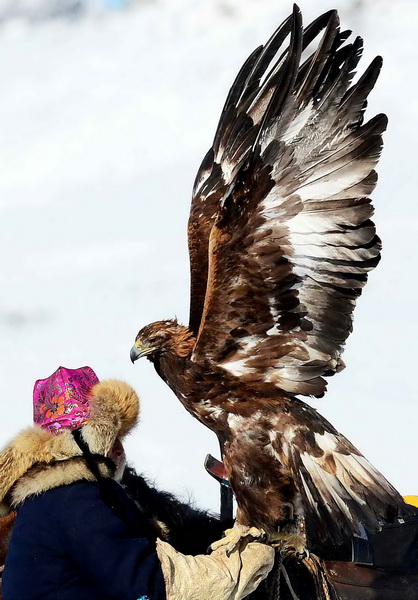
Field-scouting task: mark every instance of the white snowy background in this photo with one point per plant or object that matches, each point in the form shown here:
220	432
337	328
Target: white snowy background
105	116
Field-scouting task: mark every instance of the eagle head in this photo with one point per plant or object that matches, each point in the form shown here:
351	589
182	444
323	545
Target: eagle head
163	337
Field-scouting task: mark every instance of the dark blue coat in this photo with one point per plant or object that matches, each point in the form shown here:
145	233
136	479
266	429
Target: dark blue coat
67	544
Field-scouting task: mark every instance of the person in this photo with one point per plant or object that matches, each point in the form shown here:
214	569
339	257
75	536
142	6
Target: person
77	533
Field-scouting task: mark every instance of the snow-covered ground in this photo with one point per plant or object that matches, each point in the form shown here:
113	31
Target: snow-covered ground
103	123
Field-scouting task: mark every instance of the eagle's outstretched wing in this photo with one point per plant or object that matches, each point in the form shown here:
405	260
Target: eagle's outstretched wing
283	199
237	131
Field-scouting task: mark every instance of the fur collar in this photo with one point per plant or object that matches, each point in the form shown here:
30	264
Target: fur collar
37	460
42	477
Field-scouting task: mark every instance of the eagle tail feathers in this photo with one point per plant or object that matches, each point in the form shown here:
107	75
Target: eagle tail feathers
343	493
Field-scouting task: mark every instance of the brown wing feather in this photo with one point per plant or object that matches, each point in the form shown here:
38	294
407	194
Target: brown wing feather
293	242
237	130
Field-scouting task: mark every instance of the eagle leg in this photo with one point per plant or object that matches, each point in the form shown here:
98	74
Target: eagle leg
233	536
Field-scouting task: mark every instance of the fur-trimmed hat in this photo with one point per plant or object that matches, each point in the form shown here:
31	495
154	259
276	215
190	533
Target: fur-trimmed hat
113	412
62	399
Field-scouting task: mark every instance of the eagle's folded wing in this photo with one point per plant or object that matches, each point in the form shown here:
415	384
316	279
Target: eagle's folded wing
292	242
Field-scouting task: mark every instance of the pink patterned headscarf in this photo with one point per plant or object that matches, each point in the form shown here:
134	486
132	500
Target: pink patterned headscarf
62	399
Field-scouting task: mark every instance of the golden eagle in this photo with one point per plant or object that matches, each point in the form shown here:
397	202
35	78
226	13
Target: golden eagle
281	242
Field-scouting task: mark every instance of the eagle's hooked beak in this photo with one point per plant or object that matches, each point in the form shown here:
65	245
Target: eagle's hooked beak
139	350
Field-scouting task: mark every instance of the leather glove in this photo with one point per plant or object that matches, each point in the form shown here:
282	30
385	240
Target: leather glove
218	576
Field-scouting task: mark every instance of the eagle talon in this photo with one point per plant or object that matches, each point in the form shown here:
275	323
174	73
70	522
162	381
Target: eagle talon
304	555
289	542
